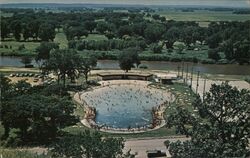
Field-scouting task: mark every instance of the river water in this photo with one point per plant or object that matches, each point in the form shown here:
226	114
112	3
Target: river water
229	69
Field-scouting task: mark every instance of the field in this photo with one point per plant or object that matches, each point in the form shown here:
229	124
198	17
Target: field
4	14
14	153
62	40
96	37
11	47
203	15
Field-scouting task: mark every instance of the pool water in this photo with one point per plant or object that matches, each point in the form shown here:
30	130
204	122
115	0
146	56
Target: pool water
123	106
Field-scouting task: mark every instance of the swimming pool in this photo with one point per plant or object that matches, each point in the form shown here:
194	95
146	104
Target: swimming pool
125	105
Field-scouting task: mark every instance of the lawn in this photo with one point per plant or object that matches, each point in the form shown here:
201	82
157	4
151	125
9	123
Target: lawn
96	37
5	14
62	40
14	153
11	47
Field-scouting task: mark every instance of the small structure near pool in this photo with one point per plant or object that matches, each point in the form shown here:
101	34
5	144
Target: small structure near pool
126	76
166	78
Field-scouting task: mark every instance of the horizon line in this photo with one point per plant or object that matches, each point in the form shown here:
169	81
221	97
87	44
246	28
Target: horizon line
65	3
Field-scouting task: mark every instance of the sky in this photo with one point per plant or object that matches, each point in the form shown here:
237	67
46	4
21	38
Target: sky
225	3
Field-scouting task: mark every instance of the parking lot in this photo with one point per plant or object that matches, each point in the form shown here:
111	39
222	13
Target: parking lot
32	78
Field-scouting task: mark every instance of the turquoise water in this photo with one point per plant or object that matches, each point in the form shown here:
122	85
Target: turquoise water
123	106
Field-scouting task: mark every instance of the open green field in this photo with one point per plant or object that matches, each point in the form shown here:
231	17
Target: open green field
4	14
204	15
11	47
62	40
96	37
14	153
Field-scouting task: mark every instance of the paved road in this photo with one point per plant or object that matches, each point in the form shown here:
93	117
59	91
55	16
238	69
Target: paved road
208	83
141	146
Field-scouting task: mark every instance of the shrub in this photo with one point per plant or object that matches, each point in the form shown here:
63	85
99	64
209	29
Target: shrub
223	61
208	61
247	79
21	47
143	66
156	48
213	54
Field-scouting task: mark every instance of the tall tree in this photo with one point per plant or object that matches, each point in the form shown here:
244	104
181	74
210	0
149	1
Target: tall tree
34	28
26	60
128	58
102	27
46	32
154	32
90	25
44	50
87	64
172	35
63	62
4	29
39	116
26	32
221	128
6	89
16	29
88	145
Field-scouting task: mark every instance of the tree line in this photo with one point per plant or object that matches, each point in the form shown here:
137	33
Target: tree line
122	29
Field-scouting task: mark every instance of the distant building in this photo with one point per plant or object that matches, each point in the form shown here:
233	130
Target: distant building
166	78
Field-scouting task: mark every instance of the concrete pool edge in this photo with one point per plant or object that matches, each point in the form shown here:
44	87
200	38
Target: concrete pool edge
90	123
86	123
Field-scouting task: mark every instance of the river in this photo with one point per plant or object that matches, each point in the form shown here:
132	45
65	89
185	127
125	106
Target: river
229	69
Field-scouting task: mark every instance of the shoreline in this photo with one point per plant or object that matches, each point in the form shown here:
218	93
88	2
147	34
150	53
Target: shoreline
180	60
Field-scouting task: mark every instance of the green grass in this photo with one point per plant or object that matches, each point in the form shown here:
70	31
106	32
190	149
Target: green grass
203	15
203	23
14	153
29	48
96	37
184	97
61	38
99	20
162	132
247	79
4	14
186	55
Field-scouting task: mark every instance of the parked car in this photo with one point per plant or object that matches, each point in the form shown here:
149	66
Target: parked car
155	153
12	75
